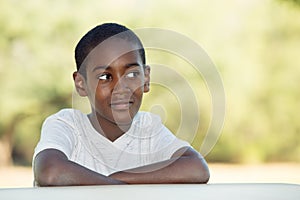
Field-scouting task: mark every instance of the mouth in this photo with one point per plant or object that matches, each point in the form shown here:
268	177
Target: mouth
121	105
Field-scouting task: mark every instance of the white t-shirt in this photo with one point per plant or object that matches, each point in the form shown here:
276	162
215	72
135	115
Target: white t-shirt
147	141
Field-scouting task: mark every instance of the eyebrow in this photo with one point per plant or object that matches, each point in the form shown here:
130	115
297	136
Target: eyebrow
108	67
100	67
133	65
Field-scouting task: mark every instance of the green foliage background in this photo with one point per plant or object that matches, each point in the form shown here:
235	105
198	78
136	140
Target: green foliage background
254	43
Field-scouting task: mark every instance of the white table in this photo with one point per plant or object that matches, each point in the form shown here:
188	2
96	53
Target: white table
158	192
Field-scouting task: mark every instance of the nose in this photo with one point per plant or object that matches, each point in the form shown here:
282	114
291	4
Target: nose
120	86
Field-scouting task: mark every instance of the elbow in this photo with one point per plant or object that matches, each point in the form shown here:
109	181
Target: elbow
48	168
200	176
204	176
48	174
46	177
203	171
200	172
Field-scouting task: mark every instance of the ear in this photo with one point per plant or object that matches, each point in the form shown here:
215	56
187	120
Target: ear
147	78
80	84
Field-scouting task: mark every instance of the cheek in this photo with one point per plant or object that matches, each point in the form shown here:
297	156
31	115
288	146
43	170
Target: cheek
97	94
102	93
136	86
137	91
138	95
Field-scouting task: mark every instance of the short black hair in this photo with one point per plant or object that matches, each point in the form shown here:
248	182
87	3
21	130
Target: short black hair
99	34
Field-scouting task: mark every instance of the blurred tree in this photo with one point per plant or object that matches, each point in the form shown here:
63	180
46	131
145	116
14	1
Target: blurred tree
254	43
29	70
294	2
263	94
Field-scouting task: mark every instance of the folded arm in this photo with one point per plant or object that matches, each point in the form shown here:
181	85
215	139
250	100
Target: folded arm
185	166
52	168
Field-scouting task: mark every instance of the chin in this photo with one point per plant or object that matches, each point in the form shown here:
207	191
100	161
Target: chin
124	118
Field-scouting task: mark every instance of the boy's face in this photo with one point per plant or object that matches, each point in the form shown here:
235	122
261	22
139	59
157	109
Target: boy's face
115	81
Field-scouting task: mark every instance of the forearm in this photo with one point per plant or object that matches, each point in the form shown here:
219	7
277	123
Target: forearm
184	169
58	171
73	174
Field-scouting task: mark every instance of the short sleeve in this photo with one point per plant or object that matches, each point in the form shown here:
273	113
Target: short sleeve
166	144
57	134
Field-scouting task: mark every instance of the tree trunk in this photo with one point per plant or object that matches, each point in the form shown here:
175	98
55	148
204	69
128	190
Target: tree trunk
6	141
6	150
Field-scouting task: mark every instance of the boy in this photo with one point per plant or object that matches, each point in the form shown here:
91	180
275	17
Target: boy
116	143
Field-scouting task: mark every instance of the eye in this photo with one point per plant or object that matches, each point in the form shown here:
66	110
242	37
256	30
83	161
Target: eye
133	74
105	77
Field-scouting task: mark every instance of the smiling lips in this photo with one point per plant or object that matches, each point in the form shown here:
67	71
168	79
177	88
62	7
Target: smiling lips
121	105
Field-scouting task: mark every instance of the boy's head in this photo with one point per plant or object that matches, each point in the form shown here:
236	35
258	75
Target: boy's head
99	34
112	73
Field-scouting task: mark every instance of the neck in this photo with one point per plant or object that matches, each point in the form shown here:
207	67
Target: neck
108	129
